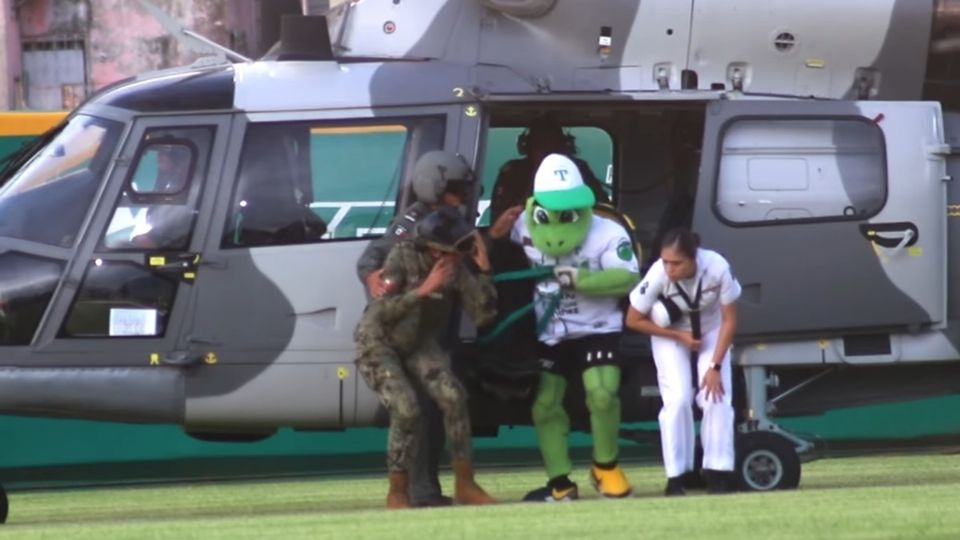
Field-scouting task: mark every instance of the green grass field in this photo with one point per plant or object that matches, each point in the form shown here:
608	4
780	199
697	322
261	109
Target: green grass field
867	497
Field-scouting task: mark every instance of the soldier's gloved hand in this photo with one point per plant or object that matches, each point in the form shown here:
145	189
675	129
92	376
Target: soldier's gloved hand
566	276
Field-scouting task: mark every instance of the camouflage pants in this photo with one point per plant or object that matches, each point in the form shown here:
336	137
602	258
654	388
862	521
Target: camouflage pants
388	375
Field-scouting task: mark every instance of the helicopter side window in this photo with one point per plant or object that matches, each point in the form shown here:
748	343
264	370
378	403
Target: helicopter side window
120	299
308	182
801	170
156	209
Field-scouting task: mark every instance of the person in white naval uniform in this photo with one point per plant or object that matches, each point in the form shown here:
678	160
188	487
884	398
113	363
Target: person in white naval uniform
687	304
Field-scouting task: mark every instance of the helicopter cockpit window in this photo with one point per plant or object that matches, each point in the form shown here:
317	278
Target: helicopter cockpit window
156	209
807	170
48	199
26	286
163	169
307	182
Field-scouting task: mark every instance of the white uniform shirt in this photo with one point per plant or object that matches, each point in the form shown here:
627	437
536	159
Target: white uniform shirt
719	287
607	246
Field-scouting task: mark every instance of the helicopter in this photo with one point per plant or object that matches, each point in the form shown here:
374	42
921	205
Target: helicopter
181	248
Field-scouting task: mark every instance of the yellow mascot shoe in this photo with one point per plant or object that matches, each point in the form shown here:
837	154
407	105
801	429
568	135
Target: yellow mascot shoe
610	482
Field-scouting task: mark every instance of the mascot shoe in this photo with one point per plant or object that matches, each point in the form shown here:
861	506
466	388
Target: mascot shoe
610	483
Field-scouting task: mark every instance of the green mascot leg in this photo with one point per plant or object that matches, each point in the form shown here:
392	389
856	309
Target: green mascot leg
602	384
552	424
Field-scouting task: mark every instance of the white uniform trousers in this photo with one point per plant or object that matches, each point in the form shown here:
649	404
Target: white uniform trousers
676	416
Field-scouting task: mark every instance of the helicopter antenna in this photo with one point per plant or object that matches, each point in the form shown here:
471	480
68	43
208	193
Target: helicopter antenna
190	39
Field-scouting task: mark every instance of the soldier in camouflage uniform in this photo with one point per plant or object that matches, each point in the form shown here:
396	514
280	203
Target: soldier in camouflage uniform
396	342
440	178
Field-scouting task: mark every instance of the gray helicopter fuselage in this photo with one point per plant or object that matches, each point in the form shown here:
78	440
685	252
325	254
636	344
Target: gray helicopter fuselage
818	168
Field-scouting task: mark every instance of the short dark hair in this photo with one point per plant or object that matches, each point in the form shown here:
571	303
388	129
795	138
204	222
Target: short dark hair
682	239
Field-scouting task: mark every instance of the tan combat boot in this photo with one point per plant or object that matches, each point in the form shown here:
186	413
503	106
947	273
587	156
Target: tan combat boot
466	490
397	497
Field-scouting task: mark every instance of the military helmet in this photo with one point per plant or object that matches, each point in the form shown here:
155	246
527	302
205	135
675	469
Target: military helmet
438	171
445	229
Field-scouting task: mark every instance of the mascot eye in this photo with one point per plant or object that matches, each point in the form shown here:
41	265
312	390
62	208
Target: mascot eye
541	217
569	216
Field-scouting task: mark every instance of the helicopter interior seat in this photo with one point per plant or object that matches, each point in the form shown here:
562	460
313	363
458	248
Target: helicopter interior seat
266	209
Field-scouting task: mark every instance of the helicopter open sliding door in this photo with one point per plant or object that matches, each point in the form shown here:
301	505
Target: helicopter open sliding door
279	297
130	285
832	215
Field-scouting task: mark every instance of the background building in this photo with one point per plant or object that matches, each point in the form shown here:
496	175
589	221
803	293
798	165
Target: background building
56	52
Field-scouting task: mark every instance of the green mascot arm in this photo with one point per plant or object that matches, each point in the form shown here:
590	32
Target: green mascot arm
612	282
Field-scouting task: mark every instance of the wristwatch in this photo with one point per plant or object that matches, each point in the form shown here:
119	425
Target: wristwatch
715	366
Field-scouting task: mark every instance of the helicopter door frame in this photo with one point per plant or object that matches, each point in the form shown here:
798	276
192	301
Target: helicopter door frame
300	301
831	213
130	338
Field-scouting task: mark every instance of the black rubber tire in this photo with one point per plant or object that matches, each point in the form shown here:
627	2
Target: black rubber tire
766	462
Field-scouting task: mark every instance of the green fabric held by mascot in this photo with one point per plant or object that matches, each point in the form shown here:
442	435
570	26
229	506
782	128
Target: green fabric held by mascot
594	267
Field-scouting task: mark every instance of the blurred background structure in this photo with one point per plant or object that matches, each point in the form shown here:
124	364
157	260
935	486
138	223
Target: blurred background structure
53	53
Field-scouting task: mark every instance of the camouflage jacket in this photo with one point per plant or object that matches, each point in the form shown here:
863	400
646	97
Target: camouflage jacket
401	321
400	228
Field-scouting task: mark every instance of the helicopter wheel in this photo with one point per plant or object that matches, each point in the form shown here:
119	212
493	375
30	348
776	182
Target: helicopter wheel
766	461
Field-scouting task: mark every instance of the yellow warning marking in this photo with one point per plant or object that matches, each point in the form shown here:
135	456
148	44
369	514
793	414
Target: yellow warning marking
25	124
823	344
458	92
196	260
816	63
158	261
210	358
154	359
470	111
761	346
343	373
953	210
189	275
915	251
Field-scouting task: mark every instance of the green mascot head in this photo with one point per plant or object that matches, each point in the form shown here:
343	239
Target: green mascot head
558	215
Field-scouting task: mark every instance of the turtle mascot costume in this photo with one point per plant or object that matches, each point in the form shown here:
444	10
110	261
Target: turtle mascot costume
580	318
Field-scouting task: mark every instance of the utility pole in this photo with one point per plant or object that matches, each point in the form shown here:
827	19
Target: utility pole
6	11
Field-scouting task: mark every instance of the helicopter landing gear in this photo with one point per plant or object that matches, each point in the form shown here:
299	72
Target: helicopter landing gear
767	457
766	461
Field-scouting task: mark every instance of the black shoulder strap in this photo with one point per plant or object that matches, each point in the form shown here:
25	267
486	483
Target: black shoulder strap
694	306
695	330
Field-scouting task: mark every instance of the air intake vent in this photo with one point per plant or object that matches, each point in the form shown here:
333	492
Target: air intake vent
784	42
304	37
